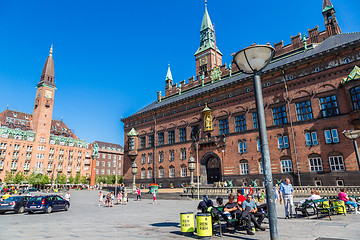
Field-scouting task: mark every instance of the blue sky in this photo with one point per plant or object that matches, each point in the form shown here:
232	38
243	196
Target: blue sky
111	56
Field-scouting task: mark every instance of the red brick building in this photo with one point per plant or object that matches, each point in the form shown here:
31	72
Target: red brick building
324	99
110	159
36	142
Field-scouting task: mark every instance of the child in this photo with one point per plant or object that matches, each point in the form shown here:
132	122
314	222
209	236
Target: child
125	199
154	197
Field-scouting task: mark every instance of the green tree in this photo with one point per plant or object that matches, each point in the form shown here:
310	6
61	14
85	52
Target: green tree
71	179
84	180
110	179
44	179
19	178
9	178
61	178
100	179
33	178
77	178
120	179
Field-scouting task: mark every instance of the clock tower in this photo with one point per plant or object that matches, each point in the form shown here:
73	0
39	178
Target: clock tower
44	101
208	55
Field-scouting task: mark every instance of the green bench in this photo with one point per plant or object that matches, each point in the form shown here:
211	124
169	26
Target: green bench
320	206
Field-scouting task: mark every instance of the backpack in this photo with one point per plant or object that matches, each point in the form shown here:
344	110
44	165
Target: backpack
216	214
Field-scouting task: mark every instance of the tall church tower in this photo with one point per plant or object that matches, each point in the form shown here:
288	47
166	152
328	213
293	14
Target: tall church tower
208	55
331	24
44	100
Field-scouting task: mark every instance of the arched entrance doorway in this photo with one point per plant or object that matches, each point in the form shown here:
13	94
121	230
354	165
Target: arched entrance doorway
210	168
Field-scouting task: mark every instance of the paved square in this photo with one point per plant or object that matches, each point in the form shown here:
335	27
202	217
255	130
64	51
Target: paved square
139	220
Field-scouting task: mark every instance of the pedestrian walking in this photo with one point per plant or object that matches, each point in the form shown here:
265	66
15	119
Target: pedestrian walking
138	194
101	198
125	198
154	197
67	196
287	195
277	194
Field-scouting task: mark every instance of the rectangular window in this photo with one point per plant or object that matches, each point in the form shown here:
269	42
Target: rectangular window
161	173
194	132
109	164
171	172
183	153
258	145
161	157
279	115
283	142
329	106
142	142
143	158
97	163
103	163
331	136
242	146
244	168
149	173
171	155
183	171
337	163
151	141
143	174
131	145
160	139
311	139
97	171
149	157
224	126
13	165
355	97
240	123
304	111
182	133
172	137
16	147
255	120
286	166
315	164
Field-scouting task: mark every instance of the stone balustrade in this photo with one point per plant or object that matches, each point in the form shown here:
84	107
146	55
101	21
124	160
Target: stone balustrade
300	191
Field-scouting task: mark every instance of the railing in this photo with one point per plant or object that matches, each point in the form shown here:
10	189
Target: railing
87	162
298	191
3	147
27	158
26	168
28	150
15	157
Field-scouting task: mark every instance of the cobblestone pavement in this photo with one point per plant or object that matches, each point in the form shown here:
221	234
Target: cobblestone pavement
138	220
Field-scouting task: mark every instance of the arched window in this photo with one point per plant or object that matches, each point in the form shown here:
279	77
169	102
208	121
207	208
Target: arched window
143	173
183	170
171	172
315	163
149	175
161	172
244	167
336	162
286	165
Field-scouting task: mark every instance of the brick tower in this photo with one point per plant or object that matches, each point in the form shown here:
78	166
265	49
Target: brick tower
44	101
331	24
206	56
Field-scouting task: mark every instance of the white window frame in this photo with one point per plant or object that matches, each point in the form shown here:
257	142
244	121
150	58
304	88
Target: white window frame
143	174
331	136
286	166
183	171
244	168
242	146
161	172
337	163
315	164
171	172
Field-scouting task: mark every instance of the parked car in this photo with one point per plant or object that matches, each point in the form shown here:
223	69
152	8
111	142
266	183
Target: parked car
14	204
47	204
32	189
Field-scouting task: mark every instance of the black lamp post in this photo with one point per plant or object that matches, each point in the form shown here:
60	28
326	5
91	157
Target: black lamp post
252	60
191	166
353	135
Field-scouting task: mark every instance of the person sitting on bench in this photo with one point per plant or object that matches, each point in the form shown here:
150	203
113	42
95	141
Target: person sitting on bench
204	204
250	204
344	197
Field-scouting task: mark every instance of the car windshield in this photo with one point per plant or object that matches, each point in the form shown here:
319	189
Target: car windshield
36	199
10	199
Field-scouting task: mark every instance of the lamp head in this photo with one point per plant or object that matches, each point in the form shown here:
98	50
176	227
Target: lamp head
254	58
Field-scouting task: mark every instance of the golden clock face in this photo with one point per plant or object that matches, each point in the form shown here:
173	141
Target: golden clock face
203	61
48	94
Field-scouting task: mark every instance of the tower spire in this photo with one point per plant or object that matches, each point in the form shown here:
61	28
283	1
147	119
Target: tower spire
331	24
327	3
168	78
48	72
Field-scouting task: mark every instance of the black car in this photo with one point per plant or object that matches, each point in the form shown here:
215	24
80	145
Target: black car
47	204
14	204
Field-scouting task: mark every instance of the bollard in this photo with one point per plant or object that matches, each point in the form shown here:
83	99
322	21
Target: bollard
203	225
187	223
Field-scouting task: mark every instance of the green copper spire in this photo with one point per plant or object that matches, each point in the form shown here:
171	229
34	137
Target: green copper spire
132	133
327	5
168	74
207	33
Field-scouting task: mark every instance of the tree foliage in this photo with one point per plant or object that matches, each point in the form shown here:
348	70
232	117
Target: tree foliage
19	178
77	178
71	179
61	179
108	179
9	178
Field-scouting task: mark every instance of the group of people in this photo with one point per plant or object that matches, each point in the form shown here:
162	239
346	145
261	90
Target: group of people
108	199
241	209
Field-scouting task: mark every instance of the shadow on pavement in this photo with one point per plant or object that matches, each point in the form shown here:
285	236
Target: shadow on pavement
166	224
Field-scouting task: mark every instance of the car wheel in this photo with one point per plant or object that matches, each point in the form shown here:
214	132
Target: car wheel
21	209
49	209
30	212
66	207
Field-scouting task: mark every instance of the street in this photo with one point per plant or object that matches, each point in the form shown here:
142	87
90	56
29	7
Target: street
138	220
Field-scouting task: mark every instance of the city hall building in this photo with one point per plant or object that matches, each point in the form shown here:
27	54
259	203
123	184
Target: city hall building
38	143
311	93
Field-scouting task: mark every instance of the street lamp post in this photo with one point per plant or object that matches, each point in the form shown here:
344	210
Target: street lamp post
353	135
252	60
134	170
191	166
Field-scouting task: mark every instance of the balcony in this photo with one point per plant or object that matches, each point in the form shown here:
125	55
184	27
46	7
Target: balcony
3	147
70	161
61	161
49	169
2	156
29	150
77	170
61	153
15	157
51	160
69	169
13	168
26	168
1	168
59	170
87	162
208	140
28	158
